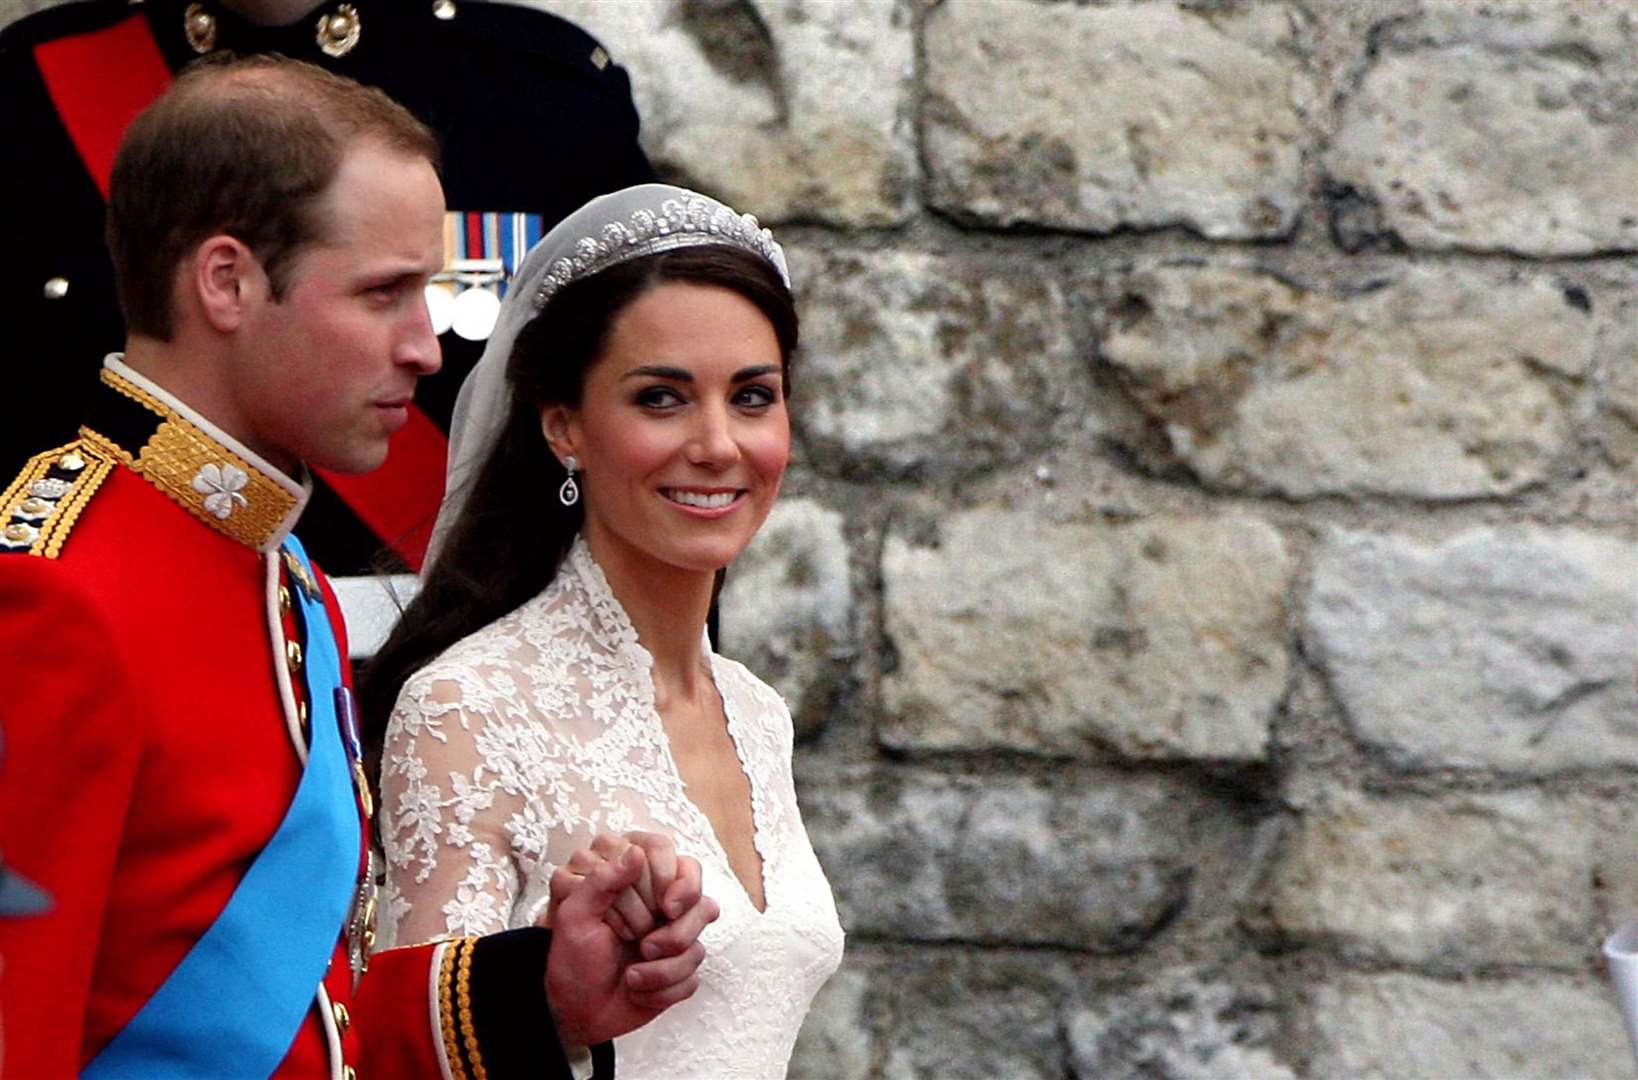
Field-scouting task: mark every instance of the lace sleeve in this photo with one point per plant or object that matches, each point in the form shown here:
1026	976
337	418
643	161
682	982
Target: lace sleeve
447	816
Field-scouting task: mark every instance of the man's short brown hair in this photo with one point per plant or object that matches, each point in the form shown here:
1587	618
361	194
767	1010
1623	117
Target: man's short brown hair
246	147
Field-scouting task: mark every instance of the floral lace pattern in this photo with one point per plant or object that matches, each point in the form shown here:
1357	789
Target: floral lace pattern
521	742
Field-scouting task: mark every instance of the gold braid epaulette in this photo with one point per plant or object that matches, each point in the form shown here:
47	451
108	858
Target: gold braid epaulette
39	508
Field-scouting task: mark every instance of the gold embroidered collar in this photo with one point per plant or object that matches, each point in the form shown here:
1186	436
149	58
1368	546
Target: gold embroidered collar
201	468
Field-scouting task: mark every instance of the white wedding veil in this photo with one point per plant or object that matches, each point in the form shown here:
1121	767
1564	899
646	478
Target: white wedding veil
611	229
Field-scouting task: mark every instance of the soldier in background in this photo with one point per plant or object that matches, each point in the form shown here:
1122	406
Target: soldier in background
533	116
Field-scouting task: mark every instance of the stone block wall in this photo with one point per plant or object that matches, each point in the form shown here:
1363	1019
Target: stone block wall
1205	588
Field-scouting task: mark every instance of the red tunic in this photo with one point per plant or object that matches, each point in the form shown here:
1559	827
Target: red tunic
153	745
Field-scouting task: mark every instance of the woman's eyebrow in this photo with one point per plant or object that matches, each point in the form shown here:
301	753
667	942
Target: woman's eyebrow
676	374
656	371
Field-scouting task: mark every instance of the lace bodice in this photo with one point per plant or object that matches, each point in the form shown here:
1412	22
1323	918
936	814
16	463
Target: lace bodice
524	740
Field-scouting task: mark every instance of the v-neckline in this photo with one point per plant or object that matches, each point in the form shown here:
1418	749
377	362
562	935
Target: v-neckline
703	821
607	606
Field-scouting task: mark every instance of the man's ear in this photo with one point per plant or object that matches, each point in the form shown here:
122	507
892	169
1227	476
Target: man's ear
557	424
224	278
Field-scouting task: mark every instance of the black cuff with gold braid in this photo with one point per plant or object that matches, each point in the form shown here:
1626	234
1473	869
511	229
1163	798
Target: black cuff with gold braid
495	1019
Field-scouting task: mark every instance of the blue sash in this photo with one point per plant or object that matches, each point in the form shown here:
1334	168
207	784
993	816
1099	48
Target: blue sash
234	1004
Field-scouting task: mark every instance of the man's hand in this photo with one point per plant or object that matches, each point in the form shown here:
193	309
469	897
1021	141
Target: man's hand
600	985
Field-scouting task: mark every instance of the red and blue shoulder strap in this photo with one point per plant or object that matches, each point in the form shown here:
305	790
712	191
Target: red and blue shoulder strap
234	1004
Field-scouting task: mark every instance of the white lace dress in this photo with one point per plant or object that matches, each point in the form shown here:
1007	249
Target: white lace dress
521	742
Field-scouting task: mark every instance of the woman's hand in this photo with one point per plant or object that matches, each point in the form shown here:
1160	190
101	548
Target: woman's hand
604	975
669	885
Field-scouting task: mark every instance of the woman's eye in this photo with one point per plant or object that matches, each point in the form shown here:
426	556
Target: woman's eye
757	396
659	397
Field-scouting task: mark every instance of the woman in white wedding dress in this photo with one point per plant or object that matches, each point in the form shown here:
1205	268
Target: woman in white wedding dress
619	444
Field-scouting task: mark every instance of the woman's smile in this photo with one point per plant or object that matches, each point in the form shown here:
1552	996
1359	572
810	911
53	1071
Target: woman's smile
704	499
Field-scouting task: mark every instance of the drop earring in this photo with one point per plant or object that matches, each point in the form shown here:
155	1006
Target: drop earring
569	493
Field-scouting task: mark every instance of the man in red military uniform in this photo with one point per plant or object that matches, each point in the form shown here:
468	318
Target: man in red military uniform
183	772
534	116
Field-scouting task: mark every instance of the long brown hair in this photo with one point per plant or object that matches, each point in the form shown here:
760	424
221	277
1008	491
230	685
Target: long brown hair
513	532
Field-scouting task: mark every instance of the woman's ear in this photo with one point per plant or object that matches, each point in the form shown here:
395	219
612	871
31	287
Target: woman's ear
556	423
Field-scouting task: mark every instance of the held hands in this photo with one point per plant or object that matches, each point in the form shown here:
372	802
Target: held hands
626	916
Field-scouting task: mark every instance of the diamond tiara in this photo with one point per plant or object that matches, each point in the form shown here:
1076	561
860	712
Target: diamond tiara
680	223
